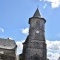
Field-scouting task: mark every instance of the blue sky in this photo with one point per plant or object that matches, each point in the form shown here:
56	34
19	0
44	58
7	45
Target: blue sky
15	14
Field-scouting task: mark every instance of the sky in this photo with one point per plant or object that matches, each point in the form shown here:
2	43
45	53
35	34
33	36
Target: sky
14	17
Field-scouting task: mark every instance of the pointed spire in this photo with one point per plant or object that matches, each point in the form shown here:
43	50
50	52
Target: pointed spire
37	14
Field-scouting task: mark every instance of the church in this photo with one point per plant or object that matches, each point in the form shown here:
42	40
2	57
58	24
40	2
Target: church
7	49
34	47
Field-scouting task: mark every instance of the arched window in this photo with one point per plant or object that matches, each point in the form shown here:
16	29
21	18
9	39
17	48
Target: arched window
36	58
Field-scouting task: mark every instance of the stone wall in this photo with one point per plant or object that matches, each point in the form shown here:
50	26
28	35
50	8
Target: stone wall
7	54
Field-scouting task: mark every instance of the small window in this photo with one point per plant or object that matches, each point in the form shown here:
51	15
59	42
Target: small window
36	58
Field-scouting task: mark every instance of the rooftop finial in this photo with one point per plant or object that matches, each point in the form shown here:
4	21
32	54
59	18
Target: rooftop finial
37	6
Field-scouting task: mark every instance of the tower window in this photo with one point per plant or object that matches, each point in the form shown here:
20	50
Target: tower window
36	58
37	24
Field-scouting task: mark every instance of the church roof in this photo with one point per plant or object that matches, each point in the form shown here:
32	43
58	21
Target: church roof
7	43
37	13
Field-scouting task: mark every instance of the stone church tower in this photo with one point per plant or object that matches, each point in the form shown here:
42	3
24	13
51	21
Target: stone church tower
34	47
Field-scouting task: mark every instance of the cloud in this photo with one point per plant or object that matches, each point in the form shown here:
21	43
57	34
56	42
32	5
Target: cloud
19	46
44	6
54	3
25	30
1	30
53	49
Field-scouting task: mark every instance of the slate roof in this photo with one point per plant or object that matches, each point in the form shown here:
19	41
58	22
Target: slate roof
7	43
37	13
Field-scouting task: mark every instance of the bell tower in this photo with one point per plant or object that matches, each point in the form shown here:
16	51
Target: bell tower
34	47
